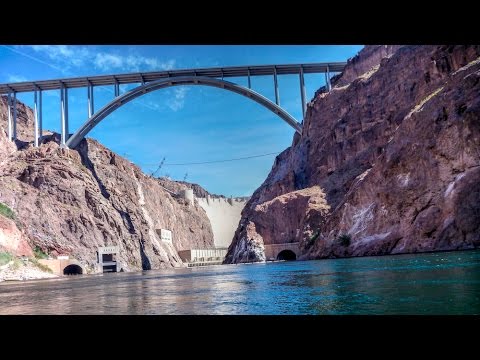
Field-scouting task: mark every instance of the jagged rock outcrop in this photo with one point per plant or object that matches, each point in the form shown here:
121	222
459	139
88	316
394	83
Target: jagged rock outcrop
12	240
72	201
303	207
198	191
177	186
24	121
395	146
6	147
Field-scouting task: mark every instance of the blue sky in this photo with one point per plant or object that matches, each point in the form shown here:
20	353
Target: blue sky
181	124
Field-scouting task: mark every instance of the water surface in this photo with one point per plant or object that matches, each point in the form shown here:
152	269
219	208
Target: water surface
435	283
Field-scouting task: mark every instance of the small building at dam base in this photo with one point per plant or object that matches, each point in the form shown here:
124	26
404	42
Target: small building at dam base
224	215
203	257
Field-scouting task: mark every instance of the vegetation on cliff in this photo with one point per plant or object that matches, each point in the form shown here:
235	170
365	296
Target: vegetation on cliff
6	211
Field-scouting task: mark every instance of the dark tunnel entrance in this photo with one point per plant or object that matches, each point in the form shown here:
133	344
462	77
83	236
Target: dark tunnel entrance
287	255
72	270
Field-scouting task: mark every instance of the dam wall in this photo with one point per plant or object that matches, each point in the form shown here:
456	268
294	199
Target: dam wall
224	215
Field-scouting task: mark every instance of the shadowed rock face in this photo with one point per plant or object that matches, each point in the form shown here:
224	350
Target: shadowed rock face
395	146
72	201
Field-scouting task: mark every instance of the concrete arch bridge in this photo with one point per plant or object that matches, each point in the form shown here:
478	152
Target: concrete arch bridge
152	81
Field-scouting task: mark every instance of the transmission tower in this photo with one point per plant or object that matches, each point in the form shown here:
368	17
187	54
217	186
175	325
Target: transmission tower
159	167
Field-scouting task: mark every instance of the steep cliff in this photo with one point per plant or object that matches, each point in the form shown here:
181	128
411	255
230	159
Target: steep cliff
12	240
72	201
177	186
395	147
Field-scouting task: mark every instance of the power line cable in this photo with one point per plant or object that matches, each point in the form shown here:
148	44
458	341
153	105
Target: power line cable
215	161
159	167
220	161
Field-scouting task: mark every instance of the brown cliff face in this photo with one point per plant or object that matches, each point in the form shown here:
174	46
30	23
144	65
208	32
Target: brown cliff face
12	239
396	148
177	186
198	191
303	207
71	202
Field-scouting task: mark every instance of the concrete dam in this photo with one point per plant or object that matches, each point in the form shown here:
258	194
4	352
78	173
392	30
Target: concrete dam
224	215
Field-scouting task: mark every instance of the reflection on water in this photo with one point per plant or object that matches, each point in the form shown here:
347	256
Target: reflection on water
437	283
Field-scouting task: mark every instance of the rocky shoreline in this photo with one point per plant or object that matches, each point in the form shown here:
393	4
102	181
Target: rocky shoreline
18	270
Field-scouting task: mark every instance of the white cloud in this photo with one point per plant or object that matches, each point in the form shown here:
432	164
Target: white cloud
54	51
151	105
28	56
67	58
64	54
107	61
80	56
168	65
11	78
178	101
112	62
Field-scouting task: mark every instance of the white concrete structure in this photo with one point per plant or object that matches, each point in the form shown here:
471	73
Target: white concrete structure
203	255
165	235
107	259
188	195
224	215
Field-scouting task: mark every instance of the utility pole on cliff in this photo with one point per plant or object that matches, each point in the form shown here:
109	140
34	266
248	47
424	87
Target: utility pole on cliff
159	167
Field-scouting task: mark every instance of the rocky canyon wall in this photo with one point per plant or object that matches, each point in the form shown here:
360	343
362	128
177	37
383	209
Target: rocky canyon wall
69	202
388	162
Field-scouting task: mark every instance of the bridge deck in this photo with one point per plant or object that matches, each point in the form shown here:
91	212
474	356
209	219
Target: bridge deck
142	77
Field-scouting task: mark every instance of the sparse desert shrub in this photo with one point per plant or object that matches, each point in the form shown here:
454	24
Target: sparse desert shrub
39	254
344	239
312	239
5	258
40	266
6	211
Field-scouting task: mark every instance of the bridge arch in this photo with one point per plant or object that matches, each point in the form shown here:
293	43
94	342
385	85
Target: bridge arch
96	118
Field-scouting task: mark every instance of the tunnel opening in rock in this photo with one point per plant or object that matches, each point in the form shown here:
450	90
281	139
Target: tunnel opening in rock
72	270
287	255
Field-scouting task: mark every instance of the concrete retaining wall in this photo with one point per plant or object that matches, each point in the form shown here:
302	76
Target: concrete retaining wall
58	265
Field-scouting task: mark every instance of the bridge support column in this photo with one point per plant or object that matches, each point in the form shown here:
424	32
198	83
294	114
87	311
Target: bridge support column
116	87
14	132
40	117
9	110
64	114
275	81
327	79
249	81
35	119
302	92
91	107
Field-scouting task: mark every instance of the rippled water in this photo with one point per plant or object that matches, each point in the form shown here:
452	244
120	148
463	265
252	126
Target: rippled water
436	283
